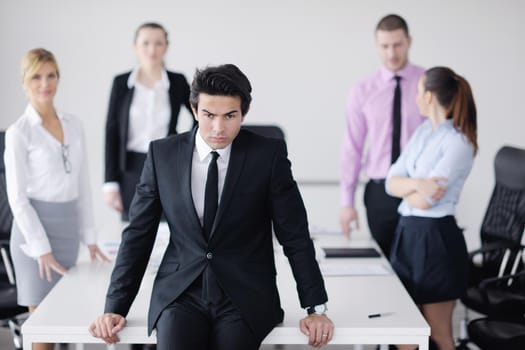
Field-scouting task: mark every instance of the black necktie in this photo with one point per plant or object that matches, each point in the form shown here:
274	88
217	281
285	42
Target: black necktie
396	112
211	195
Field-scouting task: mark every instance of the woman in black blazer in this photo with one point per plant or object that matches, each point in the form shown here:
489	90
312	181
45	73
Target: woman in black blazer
144	105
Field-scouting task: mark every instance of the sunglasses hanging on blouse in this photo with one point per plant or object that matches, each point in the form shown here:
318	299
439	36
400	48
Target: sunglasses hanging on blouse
65	158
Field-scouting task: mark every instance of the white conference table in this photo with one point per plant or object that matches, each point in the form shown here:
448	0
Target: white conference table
78	298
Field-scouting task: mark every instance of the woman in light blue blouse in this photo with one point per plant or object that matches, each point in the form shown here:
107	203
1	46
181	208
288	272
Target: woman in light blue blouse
429	252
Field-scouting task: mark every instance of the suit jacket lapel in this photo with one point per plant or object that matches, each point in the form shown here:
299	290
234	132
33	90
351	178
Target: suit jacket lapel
183	158
172	129
235	165
124	115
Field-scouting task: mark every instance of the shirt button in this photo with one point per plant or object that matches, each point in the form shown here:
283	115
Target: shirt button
209	256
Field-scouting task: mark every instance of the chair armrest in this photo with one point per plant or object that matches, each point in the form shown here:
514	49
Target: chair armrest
489	282
494	246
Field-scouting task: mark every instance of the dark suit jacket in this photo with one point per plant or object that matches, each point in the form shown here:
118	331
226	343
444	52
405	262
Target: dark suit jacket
259	190
117	121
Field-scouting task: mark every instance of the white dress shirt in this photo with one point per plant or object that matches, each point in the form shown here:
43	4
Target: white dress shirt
149	113
149	117
36	169
199	171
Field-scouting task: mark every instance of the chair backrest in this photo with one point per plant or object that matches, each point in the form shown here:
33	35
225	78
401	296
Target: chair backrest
504	220
6	218
272	131
505	215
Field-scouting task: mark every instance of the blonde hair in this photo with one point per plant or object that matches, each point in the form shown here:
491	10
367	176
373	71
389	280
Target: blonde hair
33	60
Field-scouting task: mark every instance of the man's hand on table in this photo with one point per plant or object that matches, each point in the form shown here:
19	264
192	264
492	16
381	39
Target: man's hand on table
318	328
107	326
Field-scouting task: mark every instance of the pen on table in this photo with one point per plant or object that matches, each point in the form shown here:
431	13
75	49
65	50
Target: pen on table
380	314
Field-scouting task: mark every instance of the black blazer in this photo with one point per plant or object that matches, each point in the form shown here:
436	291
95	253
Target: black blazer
259	190
117	121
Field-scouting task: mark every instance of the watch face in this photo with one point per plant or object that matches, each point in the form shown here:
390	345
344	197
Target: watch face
320	309
317	309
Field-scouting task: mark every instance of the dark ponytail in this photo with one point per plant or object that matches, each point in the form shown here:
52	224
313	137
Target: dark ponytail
454	93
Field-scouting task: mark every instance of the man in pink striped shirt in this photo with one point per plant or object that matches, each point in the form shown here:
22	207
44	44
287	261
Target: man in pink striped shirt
381	114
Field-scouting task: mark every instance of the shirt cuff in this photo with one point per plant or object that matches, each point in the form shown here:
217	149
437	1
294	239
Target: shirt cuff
110	187
36	248
347	200
430	202
89	237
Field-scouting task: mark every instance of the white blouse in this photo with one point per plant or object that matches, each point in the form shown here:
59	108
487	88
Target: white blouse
39	167
149	113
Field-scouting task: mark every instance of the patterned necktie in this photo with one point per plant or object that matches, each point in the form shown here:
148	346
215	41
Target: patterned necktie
396	113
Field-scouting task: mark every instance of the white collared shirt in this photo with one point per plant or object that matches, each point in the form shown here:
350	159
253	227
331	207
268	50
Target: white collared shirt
149	113
35	169
199	171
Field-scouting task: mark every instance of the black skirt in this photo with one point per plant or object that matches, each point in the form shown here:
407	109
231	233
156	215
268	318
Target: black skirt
430	257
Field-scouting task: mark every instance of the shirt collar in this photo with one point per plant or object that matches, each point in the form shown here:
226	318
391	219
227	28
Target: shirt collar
203	149
446	124
164	82
35	119
388	75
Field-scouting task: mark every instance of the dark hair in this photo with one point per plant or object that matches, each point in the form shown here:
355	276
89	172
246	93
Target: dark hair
392	22
225	80
454	93
151	25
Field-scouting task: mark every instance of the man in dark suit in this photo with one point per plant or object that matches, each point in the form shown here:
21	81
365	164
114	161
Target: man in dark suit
221	189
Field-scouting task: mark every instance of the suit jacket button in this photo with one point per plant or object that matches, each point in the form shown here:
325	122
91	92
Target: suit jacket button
209	256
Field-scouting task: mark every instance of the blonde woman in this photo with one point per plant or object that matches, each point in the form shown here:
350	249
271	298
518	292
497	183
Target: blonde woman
47	186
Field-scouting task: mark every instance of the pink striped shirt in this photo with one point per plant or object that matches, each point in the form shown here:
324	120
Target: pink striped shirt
369	117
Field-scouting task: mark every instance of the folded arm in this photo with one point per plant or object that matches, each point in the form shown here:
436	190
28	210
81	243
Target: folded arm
420	193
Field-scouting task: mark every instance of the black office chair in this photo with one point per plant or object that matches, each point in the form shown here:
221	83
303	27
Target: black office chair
11	314
501	232
504	328
10	311
5	212
272	131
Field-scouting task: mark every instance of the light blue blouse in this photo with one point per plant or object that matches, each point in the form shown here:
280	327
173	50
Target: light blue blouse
443	152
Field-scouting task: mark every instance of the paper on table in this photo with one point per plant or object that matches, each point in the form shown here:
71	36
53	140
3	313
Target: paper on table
353	269
319	230
111	247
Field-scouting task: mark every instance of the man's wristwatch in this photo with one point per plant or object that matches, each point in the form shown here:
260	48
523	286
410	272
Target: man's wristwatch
317	309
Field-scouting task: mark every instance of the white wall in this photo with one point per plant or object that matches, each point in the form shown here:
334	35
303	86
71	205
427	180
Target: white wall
301	56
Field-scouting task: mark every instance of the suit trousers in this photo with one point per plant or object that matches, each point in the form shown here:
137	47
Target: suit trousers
382	215
190	323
